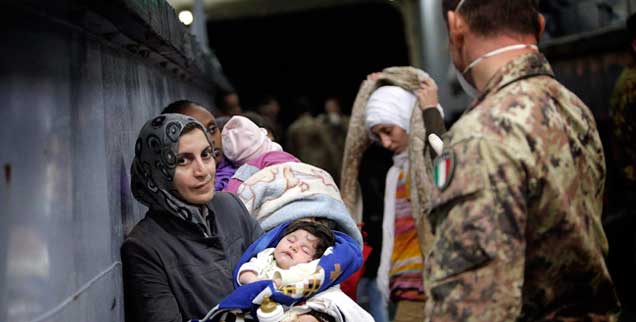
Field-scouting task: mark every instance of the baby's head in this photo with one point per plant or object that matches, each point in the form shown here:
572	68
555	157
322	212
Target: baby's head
244	141
304	241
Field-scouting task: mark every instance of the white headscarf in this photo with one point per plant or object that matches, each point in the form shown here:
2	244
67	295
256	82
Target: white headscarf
390	105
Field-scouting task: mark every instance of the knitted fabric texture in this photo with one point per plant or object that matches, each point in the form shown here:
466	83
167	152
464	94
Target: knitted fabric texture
295	190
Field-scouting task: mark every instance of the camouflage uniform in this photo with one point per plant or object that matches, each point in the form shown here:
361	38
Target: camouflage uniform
623	113
308	140
518	226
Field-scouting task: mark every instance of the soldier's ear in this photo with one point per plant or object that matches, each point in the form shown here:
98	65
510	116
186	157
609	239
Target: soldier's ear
541	27
456	27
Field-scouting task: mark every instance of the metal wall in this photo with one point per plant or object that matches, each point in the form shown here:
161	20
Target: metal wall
71	105
436	58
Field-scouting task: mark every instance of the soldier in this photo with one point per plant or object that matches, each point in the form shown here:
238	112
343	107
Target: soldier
519	185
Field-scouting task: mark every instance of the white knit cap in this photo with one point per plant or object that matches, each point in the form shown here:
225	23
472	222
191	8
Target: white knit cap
390	105
244	141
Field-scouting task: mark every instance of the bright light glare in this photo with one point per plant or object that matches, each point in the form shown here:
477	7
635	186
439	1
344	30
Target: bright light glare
186	17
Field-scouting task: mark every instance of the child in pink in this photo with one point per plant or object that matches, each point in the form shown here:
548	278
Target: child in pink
249	147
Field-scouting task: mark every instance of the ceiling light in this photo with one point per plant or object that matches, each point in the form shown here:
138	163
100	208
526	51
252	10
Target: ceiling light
186	17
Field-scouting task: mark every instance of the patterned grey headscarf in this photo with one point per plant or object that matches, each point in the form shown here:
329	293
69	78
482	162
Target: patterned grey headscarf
153	168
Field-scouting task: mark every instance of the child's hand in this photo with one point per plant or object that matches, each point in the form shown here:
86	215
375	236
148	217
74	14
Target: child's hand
278	282
247	277
306	318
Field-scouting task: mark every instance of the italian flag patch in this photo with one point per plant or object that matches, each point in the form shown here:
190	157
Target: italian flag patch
443	168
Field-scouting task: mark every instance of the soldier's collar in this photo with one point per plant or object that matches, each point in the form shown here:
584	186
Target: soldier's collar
525	66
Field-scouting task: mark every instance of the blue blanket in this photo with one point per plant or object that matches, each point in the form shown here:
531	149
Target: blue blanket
336	265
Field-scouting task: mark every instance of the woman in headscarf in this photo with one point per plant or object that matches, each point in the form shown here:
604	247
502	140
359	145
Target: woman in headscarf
178	260
388	111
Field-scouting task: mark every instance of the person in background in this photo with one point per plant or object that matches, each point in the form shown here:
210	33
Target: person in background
178	260
387	119
307	139
228	104
376	161
269	108
336	124
386	113
516	208
622	222
623	114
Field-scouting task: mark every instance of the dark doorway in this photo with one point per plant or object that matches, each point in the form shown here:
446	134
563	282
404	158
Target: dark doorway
315	53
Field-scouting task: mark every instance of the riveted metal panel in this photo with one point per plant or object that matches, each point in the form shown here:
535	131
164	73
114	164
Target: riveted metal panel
71	106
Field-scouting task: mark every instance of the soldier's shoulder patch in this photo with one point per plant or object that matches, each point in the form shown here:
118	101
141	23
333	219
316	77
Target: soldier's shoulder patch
444	168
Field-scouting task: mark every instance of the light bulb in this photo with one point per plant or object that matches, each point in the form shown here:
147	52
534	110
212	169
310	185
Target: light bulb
186	17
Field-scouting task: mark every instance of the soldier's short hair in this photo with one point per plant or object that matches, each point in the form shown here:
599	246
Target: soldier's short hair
496	17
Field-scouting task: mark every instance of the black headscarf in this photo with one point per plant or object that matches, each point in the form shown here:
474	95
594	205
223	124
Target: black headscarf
153	168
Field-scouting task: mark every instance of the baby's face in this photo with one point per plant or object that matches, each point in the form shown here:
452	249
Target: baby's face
295	248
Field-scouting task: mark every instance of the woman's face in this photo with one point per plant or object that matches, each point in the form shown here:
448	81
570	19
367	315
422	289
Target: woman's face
194	174
392	137
208	120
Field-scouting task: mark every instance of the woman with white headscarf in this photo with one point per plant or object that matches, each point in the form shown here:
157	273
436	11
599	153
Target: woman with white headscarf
387	117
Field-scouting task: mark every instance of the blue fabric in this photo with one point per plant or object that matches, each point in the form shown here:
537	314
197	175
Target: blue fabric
245	171
345	260
371	299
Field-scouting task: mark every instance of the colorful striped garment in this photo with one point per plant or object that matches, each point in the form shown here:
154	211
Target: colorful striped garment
406	281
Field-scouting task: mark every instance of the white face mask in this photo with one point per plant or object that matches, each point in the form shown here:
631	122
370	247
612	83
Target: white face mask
468	87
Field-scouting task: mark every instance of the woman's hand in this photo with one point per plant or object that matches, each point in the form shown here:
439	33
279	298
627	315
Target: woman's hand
427	94
374	76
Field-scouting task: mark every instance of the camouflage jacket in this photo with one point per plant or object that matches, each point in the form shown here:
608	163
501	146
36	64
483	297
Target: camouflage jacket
518	216
308	140
623	113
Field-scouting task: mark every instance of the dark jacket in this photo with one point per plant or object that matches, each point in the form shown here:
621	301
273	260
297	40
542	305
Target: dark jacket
434	124
172	272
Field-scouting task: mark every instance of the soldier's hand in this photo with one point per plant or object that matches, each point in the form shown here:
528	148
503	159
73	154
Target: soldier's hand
427	94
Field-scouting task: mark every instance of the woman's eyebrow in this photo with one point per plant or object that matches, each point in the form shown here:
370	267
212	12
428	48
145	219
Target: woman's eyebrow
184	154
206	149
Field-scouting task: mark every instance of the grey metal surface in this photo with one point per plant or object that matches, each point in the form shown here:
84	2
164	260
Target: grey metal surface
436	60
70	106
